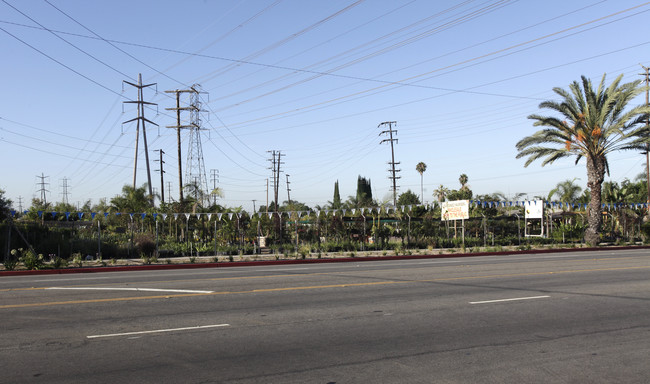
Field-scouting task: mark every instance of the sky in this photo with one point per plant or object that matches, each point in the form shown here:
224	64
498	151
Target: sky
311	79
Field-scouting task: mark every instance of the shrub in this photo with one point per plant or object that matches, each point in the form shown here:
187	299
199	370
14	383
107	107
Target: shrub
30	259
10	264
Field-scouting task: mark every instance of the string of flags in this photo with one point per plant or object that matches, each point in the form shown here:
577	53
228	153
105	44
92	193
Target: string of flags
333	212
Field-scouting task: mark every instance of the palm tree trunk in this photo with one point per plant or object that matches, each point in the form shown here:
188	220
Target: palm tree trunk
595	178
422	188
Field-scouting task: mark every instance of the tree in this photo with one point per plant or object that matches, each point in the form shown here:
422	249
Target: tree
5	205
441	193
408	198
421	168
591	125
364	192
463	181
567	191
132	200
336	200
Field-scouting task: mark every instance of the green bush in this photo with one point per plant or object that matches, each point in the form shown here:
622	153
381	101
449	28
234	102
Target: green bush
10	264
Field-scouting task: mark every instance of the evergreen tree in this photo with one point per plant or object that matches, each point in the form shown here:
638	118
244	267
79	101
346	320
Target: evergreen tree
364	191
336	201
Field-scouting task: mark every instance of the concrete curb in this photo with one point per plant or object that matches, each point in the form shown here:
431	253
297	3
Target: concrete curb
153	267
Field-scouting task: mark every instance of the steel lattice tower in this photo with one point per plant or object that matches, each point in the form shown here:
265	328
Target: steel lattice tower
195	174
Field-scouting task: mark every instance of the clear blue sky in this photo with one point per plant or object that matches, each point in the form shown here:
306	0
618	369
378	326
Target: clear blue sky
310	78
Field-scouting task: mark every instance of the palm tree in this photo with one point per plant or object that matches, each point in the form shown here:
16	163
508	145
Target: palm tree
568	191
441	193
132	200
592	124
463	179
421	168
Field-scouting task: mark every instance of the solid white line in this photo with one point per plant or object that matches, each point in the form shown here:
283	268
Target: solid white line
158	331
132	289
513	299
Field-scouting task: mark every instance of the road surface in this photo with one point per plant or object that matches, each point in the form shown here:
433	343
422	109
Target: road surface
552	318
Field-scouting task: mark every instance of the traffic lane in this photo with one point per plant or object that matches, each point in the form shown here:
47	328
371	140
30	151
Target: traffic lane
353	339
353	275
36	281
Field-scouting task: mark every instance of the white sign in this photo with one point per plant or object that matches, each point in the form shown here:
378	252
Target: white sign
534	209
454	210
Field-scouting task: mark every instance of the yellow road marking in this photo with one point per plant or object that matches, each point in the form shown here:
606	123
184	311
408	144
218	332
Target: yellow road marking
314	287
288	275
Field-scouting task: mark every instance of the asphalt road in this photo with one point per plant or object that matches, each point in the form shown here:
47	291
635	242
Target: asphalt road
579	317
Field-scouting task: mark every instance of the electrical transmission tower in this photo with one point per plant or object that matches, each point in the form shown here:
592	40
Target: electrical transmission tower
195	166
43	189
64	190
214	177
389	132
141	120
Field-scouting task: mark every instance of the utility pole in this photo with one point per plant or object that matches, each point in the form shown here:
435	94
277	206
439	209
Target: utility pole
647	146
43	190
64	188
276	161
254	205
392	163
288	189
169	192
20	204
214	177
195	167
141	120
178	127
162	173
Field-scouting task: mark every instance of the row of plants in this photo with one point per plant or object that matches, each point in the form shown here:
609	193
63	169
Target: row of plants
61	246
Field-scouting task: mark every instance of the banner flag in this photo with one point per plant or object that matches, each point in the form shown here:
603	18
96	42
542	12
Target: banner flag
354	211
67	215
209	216
363	210
13	213
80	214
143	215
187	216
106	214
53	215
270	215
219	216
344	211
40	213
230	216
93	214
155	215
164	215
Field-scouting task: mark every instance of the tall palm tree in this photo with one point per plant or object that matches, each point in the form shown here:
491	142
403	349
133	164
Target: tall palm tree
421	168
592	123
463	179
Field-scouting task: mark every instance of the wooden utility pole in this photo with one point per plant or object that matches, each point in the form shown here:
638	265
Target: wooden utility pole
162	178
647	148
178	127
288	190
392	163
